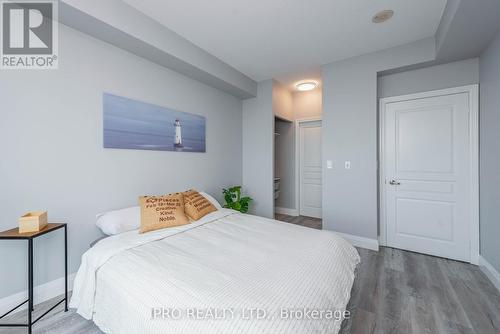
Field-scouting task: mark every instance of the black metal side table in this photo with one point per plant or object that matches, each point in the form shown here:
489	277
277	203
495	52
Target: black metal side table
14	234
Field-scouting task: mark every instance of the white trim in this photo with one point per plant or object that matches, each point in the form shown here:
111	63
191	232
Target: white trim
298	122
473	91
381	174
474	172
361	242
286	211
41	293
489	271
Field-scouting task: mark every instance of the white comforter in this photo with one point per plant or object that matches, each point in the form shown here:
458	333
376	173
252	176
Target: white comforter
227	273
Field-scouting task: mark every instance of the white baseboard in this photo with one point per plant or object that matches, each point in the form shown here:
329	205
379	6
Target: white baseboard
41	293
360	241
286	211
490	272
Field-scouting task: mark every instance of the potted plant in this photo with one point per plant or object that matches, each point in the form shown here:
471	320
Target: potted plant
234	201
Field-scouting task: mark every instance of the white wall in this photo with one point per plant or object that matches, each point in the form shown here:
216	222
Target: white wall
350	133
459	73
282	102
258	150
307	104
489	127
53	158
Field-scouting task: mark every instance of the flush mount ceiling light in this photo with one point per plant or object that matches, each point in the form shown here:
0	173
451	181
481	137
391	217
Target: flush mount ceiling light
382	16
306	85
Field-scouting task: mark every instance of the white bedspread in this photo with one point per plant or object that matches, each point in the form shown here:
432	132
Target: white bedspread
227	273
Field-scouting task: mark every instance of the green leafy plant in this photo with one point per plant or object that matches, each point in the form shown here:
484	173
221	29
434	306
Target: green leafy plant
235	201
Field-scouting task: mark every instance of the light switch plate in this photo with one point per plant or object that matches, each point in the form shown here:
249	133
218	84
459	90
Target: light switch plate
329	164
347	165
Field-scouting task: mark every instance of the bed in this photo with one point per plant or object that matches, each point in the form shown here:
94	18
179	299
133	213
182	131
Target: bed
226	273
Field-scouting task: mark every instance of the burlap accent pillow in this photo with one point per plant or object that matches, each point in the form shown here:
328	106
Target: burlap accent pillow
196	206
162	211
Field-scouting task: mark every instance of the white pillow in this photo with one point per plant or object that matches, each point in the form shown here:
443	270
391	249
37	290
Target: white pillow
211	200
119	221
128	219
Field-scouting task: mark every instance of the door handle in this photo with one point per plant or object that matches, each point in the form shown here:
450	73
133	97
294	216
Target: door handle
394	183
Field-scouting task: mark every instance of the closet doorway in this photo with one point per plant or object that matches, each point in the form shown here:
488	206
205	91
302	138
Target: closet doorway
284	165
309	178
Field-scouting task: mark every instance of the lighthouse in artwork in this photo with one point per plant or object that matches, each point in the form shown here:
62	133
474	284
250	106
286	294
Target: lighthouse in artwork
178	135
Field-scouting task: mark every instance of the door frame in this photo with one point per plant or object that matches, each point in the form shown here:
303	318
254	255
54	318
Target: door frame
473	93
298	122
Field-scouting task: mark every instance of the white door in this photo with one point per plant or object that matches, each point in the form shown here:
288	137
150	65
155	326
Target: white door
427	175
310	186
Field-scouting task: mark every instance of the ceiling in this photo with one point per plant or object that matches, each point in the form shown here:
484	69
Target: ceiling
289	39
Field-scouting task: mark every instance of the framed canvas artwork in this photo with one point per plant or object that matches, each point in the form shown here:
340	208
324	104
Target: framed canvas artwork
132	124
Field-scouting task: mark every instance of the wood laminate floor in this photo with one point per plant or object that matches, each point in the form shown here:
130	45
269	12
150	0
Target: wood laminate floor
394	291
301	220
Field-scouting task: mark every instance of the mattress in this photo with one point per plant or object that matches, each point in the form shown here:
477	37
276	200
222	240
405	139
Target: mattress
227	273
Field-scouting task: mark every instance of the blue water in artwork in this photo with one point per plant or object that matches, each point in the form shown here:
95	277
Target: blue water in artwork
131	124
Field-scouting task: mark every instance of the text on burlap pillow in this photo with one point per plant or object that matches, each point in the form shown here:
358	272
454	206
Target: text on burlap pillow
196	206
162	211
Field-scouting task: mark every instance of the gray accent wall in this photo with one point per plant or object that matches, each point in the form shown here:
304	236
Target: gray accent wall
455	74
258	149
489	125
466	28
350	130
53	157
